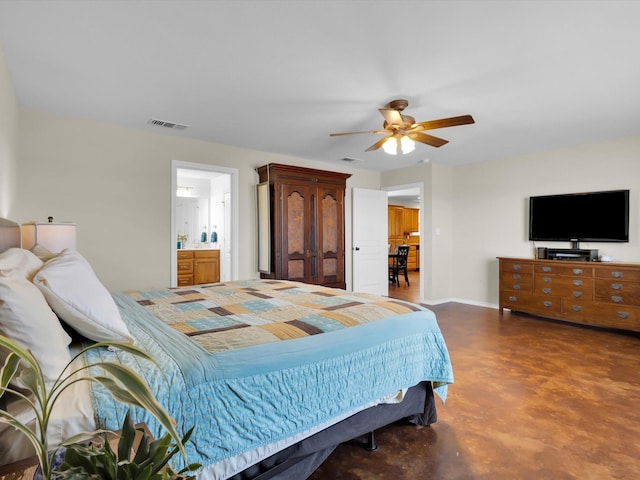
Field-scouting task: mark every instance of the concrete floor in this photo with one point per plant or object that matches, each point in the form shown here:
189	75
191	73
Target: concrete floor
532	399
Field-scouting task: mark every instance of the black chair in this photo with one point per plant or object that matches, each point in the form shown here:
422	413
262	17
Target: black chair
399	265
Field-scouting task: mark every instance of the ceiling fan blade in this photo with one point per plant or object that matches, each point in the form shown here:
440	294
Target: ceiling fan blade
392	117
354	133
378	144
447	122
428	139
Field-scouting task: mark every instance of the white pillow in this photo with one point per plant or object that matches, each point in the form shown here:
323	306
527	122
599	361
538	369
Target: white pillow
20	262
76	295
42	253
26	319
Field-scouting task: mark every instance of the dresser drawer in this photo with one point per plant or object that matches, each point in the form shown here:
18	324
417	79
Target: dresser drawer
602	314
565	287
185	266
613	291
516	266
516	281
618	273
516	300
570	270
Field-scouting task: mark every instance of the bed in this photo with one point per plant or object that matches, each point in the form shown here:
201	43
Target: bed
273	374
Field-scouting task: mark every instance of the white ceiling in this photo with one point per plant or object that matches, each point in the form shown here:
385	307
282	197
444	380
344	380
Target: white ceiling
279	76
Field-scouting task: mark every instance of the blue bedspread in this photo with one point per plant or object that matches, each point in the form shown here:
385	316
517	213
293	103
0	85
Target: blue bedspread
247	398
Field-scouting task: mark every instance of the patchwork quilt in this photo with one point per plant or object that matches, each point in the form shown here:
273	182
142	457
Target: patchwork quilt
233	315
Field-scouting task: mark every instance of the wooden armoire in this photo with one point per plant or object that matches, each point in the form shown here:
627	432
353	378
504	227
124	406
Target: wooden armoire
307	224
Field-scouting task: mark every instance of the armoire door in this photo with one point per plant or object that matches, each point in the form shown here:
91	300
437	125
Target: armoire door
330	235
297	261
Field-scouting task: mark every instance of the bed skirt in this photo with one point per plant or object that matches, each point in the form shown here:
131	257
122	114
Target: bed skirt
300	460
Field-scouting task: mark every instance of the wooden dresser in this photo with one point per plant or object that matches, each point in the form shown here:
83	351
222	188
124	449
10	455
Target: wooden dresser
601	294
198	266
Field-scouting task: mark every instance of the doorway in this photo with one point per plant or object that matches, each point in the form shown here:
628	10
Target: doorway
410	196
204	213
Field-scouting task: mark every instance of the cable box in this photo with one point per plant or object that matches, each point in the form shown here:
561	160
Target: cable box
574	254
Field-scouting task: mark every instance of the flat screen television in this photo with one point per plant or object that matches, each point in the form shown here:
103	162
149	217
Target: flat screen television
580	217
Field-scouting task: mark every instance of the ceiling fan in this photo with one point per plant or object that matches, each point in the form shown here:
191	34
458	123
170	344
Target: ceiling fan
402	131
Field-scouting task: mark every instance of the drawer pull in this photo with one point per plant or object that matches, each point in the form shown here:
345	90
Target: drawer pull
546	279
516	267
576	308
577	283
516	276
546	269
513	298
616	298
616	286
616	274
547	303
516	287
577	294
623	315
577	271
546	290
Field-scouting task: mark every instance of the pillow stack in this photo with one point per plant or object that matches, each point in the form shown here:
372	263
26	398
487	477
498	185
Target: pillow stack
34	295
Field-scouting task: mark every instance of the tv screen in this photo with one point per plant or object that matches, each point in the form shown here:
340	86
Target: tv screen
587	217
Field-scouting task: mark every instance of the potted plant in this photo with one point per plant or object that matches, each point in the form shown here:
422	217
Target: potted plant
124	385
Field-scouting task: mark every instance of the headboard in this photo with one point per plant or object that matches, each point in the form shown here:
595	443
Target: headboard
9	234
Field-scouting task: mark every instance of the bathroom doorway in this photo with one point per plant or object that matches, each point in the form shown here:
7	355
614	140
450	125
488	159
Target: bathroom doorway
204	213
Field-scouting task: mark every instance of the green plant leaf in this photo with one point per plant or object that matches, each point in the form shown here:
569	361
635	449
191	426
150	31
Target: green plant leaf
127	437
8	370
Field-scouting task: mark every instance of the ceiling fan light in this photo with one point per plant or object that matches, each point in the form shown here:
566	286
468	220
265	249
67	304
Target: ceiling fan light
390	146
407	145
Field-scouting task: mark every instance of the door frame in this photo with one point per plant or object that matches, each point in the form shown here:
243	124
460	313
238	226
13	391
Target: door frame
233	235
420	187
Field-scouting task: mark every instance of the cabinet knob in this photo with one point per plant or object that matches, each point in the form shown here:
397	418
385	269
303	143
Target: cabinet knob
517	276
576	308
577	271
623	315
547	303
516	267
616	286
546	280
577	283
577	294
513	298
546	290
616	298
616	274
546	269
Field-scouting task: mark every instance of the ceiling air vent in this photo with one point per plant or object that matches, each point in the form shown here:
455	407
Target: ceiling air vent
165	124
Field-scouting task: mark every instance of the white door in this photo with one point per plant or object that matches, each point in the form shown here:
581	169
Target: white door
370	242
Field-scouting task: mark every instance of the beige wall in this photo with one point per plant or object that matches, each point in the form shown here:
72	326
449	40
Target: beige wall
115	183
436	232
8	140
490	207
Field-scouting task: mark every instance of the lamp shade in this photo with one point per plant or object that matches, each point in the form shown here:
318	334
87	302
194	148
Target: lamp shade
54	236
9	234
